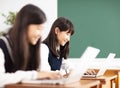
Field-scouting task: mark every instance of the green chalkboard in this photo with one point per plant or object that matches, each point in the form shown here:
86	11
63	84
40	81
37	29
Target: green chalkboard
97	24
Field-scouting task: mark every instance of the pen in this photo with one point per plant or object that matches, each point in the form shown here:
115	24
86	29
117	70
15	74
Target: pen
66	71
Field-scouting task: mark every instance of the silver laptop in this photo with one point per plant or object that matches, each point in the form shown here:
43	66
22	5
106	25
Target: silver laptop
89	54
99	73
93	52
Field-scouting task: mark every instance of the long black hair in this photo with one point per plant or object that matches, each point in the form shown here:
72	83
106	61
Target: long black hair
51	41
25	55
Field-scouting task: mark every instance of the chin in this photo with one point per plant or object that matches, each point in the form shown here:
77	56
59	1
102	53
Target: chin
62	44
34	43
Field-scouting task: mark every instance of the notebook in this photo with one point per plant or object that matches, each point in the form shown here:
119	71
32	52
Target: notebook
77	73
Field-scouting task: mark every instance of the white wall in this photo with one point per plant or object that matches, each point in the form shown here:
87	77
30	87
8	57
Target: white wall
90	58
48	6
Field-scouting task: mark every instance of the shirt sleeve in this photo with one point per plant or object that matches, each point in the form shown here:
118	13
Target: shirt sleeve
7	78
44	66
68	65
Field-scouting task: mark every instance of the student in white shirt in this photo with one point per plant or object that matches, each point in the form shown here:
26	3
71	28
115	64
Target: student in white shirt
55	48
20	48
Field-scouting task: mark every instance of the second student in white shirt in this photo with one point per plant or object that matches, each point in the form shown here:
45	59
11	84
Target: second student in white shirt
55	48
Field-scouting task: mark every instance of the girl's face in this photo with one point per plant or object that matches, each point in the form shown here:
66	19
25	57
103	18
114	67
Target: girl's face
35	32
62	36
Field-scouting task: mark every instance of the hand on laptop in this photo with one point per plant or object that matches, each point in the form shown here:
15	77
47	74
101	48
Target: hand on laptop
90	72
49	75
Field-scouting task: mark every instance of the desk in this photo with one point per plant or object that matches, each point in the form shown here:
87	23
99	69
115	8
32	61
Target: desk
108	80
81	84
115	71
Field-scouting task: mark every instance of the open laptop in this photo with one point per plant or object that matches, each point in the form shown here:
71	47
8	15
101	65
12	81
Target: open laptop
76	75
99	73
93	53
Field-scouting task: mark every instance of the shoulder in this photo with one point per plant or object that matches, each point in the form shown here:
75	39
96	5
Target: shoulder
3	39
1	53
44	48
2	61
44	45
2	42
5	46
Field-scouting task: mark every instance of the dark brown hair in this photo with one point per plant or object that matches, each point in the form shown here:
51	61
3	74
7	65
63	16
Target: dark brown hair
51	41
25	55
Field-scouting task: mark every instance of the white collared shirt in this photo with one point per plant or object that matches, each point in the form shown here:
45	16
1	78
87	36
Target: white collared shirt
44	59
44	66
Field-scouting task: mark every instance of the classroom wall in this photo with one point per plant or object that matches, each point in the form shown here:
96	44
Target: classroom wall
97	24
48	6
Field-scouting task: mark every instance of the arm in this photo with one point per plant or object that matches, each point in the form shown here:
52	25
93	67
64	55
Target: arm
44	58
18	76
67	66
6	78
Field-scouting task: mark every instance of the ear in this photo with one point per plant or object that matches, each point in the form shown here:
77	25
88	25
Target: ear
57	30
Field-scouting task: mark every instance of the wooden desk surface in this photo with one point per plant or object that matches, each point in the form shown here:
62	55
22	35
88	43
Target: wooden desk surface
103	79
81	84
106	79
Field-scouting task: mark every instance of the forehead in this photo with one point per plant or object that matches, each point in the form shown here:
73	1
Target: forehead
68	31
39	26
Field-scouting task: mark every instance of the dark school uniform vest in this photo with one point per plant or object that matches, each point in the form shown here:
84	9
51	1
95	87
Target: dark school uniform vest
54	62
4	45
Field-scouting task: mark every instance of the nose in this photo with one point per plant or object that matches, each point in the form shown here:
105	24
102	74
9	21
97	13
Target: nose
39	34
68	38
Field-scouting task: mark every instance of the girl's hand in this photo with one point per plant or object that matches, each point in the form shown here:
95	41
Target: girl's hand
49	75
67	74
90	72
